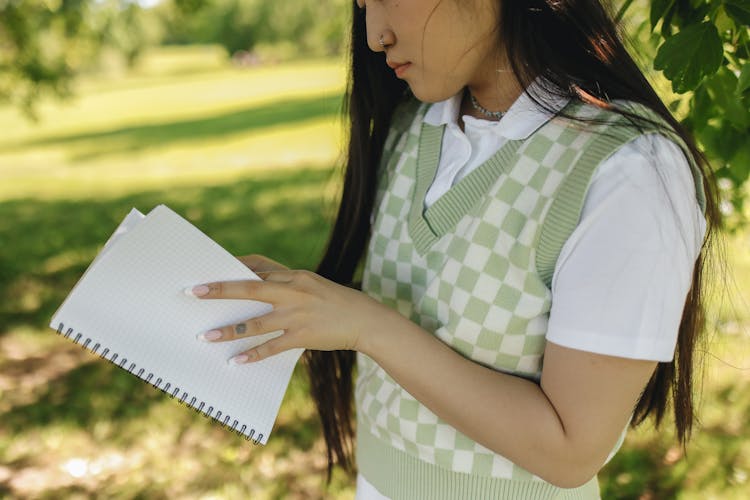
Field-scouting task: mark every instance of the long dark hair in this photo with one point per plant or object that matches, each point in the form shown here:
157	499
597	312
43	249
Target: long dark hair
574	45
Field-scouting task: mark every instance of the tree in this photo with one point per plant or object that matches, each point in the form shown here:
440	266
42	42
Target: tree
703	48
316	27
44	44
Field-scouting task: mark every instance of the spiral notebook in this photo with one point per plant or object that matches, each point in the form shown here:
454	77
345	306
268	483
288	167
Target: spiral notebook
129	308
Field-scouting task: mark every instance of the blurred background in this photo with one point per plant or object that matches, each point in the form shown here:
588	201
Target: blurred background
228	111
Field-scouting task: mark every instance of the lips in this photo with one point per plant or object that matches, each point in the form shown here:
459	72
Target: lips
398	67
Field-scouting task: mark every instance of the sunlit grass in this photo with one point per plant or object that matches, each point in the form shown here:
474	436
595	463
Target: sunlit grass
175	130
245	154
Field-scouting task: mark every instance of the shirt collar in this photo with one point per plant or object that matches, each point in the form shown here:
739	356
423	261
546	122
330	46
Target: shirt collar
522	119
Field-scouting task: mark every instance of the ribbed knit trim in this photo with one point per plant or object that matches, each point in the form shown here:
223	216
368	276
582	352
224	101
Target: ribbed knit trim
398	475
427	226
564	213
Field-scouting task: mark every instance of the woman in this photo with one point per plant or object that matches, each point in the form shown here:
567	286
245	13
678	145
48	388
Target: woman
532	224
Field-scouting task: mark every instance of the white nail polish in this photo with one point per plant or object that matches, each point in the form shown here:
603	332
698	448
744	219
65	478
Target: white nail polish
239	359
196	291
210	335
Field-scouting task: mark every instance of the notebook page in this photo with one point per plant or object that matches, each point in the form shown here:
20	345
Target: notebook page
128	223
130	220
131	302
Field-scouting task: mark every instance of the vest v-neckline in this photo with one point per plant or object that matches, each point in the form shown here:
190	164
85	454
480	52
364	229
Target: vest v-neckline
428	226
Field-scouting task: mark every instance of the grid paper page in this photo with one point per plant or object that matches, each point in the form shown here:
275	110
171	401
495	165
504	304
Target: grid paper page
131	302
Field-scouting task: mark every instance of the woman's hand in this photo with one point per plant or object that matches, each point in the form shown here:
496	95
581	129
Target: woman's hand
313	312
260	263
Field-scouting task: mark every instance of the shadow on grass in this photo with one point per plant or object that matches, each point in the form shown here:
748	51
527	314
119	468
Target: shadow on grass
46	245
92	145
92	392
98	391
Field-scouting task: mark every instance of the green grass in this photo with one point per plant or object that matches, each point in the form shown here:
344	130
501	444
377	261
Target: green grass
150	131
246	155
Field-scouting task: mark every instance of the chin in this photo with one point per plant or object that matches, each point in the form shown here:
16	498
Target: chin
430	95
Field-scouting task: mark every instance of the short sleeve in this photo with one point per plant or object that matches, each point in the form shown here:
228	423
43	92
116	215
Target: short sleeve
621	280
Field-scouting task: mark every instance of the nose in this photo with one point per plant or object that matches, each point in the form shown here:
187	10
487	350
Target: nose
379	34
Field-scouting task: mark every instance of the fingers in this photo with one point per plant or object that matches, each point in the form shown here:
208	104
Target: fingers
283	288
264	291
270	289
267	323
263	351
282	276
260	263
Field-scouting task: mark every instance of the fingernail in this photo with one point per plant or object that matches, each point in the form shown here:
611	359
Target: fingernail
239	359
210	335
197	291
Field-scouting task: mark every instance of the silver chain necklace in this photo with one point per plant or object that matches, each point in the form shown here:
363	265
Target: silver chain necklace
497	115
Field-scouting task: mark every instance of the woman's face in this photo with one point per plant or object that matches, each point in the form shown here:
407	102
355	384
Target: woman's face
436	46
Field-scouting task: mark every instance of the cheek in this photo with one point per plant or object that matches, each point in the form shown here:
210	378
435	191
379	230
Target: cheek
443	71
431	86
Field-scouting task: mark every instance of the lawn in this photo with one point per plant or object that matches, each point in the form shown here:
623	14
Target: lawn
247	155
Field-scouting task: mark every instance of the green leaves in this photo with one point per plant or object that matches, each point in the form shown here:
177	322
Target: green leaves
739	10
743	83
659	9
689	56
707	61
721	90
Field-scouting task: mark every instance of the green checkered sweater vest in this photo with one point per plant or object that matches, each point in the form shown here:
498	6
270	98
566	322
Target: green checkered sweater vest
475	270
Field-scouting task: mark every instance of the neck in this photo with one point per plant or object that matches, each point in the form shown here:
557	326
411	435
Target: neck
495	89
495	98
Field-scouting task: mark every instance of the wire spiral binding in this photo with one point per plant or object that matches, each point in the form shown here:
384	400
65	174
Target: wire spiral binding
165	388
